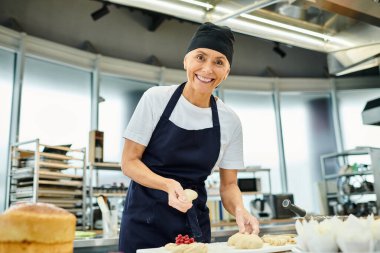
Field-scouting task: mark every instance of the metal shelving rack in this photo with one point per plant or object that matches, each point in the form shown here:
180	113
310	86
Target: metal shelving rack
342	159
48	174
96	167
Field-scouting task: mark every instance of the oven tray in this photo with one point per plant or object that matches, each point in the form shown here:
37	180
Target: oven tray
66	183
24	173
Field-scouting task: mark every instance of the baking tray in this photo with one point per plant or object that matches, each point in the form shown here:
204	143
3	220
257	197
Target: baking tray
63	183
60	203
49	192
222	247
28	172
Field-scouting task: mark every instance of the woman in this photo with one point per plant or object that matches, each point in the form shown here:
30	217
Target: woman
176	136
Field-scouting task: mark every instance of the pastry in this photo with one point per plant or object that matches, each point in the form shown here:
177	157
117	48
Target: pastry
245	241
36	228
279	240
190	194
195	247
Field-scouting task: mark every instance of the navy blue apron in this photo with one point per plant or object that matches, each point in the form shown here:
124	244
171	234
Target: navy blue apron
187	156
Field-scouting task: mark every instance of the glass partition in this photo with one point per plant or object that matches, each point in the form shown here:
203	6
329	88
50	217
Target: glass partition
354	133
55	104
7	61
119	97
257	116
308	133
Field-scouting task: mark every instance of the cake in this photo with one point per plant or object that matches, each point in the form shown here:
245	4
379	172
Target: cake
36	228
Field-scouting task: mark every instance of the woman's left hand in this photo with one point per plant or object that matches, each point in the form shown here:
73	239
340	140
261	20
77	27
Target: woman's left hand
246	222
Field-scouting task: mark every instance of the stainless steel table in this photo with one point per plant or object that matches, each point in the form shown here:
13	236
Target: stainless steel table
102	244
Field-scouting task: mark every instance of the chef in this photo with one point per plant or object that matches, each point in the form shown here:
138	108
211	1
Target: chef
177	135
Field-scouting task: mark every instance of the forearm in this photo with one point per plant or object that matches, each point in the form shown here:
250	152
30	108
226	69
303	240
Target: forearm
140	173
231	197
134	168
233	202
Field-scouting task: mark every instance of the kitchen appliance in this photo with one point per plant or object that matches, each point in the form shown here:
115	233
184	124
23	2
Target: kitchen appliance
287	204
249	184
371	112
279	212
260	208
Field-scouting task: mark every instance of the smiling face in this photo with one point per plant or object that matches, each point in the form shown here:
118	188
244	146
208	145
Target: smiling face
205	69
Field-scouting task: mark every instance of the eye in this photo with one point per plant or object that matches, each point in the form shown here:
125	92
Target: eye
200	57
219	62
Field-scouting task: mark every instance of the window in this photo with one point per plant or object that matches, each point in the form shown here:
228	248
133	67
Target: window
120	99
354	133
257	116
7	61
308	133
55	105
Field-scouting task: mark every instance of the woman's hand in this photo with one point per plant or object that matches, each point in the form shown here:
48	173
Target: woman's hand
246	222
177	197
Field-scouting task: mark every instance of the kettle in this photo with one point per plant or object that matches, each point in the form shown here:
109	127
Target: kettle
261	209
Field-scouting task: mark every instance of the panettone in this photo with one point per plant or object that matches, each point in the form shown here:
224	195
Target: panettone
36	228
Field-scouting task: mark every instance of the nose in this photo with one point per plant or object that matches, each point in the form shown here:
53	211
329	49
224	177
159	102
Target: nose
207	67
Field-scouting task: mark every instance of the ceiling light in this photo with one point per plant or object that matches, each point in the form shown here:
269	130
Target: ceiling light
285	26
202	4
175	8
100	13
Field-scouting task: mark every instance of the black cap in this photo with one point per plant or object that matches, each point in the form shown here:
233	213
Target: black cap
211	36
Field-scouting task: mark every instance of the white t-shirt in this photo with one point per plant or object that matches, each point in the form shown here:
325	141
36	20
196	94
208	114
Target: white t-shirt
187	116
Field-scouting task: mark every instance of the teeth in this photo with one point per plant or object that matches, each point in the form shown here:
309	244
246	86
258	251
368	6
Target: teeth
204	79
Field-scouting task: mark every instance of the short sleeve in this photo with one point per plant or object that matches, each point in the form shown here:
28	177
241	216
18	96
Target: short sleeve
233	157
142	123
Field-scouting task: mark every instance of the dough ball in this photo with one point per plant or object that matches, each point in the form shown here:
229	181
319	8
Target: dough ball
196	248
245	241
190	194
179	248
233	239
186	248
251	241
279	240
170	246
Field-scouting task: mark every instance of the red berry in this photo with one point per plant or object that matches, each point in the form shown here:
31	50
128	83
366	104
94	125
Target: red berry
183	239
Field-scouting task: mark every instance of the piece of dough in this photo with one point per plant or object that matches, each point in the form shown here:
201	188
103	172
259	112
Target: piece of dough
279	240
196	248
251	241
187	248
245	241
170	246
190	194
233	239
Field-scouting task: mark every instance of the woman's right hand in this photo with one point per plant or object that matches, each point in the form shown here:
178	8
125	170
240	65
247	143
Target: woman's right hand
177	197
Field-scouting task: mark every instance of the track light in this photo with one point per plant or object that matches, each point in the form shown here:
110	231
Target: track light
100	13
278	50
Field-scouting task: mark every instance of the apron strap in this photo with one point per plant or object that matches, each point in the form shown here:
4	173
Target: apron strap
173	101
192	219
214	110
